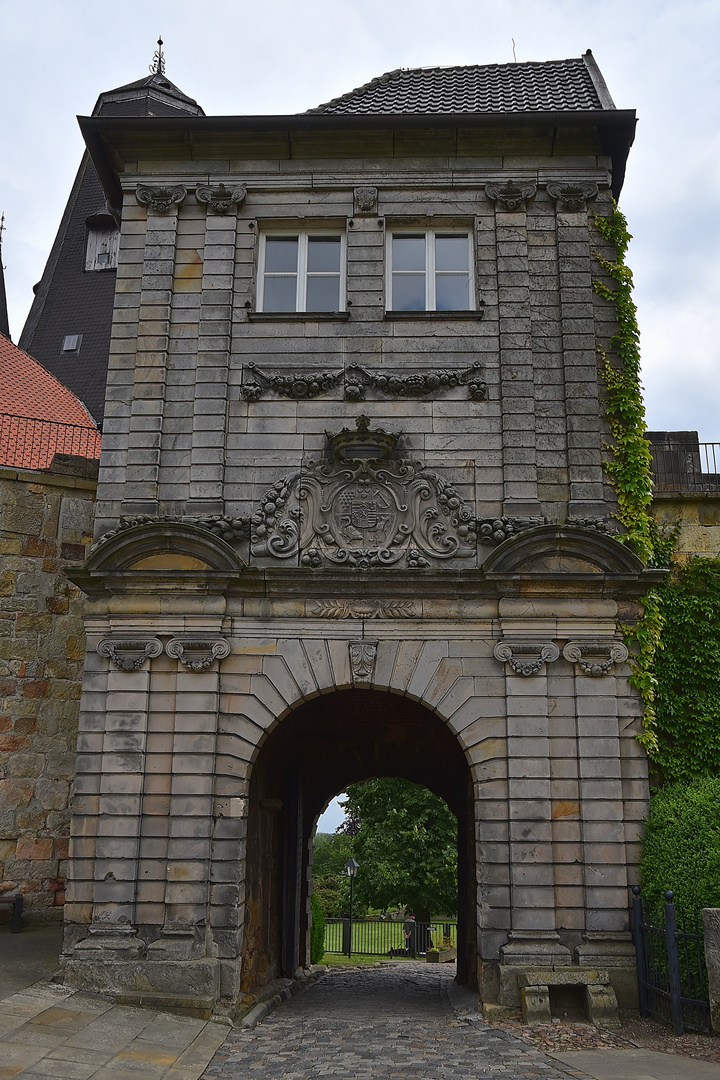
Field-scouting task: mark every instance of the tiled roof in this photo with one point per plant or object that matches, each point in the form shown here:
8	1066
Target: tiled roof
549	86
39	417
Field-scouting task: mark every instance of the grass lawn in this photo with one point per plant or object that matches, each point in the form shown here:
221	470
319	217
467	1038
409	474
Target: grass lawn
338	959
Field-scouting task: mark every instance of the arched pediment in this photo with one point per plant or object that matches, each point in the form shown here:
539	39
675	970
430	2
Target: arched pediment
165	547
562	549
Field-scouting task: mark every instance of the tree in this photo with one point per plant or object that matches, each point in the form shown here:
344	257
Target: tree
330	880
406	847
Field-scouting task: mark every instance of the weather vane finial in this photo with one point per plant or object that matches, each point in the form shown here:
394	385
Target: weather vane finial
158	61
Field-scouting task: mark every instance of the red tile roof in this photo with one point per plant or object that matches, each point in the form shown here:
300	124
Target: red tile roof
39	417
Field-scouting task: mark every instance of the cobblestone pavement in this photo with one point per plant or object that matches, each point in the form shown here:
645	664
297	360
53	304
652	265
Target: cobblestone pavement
387	1023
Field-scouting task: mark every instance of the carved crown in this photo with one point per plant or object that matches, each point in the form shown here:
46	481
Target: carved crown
362	444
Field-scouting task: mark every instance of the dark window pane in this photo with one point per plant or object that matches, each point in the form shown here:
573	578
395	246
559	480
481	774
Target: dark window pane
408	292
408	252
324	253
323	294
452	292
281	254
280	293
451	252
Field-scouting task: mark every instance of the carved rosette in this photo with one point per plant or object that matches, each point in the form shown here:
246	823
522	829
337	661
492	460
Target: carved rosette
364	609
526	657
198	654
362	514
572	198
219	200
362	659
160	199
129	654
366	200
511	197
595	657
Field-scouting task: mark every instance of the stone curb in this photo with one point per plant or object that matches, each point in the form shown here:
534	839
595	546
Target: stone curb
263	1009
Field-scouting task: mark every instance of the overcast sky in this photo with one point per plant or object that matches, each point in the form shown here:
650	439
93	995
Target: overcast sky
282	56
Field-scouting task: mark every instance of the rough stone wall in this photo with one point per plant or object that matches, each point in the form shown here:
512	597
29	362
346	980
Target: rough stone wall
697	519
45	523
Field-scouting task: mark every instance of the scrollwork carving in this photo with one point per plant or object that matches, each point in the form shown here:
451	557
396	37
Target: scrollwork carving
129	654
362	658
595	657
366	198
511	196
364	609
198	654
221	199
526	657
160	199
572	198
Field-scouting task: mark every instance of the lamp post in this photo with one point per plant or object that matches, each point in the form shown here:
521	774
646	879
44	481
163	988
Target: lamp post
352	868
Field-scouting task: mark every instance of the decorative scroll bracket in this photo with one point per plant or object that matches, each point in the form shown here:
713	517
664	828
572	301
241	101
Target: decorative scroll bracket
362	659
198	654
572	198
511	197
129	654
595	657
366	200
219	200
526	657
160	199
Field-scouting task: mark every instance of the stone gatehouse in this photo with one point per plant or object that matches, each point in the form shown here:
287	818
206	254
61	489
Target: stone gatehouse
352	521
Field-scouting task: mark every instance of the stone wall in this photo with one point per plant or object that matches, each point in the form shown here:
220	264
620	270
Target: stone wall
696	516
46	521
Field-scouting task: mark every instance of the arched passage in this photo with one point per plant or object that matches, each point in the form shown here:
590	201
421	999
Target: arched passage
318	749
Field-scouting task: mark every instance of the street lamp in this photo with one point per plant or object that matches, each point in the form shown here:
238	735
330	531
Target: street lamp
351	868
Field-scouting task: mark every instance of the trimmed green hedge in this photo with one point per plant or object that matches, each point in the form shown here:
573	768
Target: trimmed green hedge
682	845
317	932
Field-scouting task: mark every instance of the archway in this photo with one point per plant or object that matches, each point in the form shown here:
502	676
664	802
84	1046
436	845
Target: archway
320	747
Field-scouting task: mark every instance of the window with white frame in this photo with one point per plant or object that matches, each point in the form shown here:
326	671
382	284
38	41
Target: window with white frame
301	271
430	270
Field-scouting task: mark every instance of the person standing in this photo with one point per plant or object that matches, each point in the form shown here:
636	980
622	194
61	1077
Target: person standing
409	929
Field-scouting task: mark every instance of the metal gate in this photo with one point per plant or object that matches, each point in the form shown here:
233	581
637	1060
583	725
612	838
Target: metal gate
672	977
374	937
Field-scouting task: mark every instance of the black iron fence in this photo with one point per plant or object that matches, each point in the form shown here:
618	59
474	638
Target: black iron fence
28	443
672	977
685	465
386	937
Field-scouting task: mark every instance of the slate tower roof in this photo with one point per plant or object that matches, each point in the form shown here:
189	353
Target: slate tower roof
551	86
71	301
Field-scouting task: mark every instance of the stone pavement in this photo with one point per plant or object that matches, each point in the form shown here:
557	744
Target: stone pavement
399	1022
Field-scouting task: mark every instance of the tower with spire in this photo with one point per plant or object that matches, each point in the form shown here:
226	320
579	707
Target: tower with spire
4	321
68	326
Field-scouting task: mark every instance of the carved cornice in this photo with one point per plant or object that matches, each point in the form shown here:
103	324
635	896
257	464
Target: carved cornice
362	659
363	513
366	199
219	200
198	653
129	654
595	657
526	657
511	196
417	384
572	198
496	530
160	199
294	385
364	609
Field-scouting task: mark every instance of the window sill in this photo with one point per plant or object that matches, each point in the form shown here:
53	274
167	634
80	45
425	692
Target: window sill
298	316
434	315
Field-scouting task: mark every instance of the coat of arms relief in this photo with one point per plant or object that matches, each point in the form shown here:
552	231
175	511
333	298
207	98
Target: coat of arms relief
362	508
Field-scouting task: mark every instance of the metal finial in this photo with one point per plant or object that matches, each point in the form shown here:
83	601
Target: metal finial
158	61
2	228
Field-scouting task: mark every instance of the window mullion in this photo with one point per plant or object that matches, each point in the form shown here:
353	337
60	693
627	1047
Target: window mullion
430	292
301	294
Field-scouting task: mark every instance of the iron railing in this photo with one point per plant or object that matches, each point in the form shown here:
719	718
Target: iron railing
29	443
376	937
685	465
672	976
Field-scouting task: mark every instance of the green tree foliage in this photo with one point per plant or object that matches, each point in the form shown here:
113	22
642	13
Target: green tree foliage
681	850
330	881
317	931
686	673
406	847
